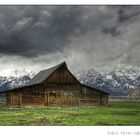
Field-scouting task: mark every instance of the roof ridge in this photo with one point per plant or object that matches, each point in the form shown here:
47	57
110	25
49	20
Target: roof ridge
54	66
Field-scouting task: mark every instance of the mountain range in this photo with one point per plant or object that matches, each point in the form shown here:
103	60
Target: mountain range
14	79
116	83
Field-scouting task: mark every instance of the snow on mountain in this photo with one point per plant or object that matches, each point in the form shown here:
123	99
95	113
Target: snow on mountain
117	82
15	79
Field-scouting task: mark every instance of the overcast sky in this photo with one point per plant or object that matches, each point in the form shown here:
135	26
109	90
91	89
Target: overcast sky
99	37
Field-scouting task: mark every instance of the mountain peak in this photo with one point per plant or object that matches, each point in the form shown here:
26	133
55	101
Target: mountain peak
17	73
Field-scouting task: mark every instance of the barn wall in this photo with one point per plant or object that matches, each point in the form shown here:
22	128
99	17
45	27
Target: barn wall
50	96
88	97
26	96
58	95
13	98
61	97
33	95
91	97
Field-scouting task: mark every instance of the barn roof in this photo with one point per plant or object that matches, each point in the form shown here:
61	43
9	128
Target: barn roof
84	85
44	74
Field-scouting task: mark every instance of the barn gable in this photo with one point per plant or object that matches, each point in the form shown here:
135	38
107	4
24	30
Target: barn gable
45	74
62	76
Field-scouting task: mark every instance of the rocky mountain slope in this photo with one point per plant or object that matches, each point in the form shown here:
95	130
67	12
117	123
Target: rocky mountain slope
117	82
15	79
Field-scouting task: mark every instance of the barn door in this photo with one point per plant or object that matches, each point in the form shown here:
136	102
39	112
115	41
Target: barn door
15	99
52	97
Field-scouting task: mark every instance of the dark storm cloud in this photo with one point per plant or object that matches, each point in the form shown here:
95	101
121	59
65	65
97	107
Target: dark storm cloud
111	31
92	36
33	30
127	13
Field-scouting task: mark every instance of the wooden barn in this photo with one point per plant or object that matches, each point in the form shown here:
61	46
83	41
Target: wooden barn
55	87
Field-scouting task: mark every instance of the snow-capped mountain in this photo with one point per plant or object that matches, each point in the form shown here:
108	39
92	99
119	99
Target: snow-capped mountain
15	79
117	82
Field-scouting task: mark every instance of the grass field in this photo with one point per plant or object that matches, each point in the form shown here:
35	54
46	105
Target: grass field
116	113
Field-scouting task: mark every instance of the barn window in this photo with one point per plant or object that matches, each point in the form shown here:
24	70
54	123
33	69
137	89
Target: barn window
52	93
68	93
